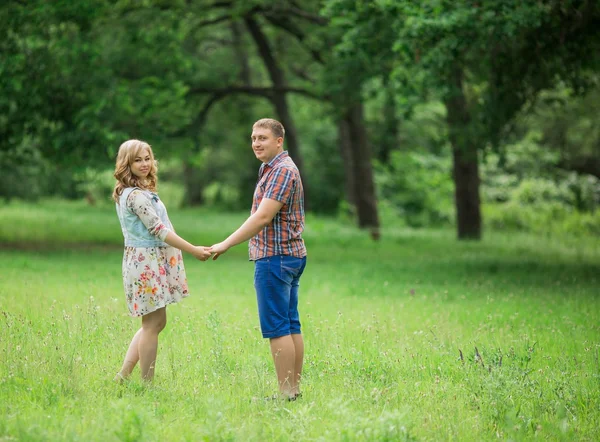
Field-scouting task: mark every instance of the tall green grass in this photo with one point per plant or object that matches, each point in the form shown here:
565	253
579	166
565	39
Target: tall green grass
417	337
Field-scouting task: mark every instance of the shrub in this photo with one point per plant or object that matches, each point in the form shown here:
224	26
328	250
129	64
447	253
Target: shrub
418	186
544	218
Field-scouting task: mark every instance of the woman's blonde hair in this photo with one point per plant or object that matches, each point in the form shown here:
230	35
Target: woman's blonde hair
128	152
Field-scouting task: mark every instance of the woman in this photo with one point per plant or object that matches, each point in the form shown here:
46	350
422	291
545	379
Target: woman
153	271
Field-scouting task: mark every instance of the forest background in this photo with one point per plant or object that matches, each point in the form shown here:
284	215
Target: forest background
476	115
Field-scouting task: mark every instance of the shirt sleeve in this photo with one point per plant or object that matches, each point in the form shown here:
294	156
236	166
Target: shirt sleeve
139	204
280	185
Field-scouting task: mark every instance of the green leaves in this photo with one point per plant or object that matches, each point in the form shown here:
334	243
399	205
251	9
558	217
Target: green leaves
509	50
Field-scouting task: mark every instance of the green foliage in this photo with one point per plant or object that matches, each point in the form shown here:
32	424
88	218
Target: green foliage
419	186
324	180
485	61
362	32
23	171
78	78
96	185
523	189
415	186
491	45
542	218
528	172
569	206
50	76
536	191
222	196
225	166
567	126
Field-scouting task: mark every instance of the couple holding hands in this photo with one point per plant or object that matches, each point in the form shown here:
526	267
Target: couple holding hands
154	274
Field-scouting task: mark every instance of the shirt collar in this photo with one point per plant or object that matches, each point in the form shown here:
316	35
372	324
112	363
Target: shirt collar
278	158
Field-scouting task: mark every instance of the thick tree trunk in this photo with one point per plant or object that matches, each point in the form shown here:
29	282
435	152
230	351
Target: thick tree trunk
194	185
357	159
466	163
466	181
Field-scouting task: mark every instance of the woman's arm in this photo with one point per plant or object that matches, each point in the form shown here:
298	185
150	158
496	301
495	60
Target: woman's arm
178	242
139	204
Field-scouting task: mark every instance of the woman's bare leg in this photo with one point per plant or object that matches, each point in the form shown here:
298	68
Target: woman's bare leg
131	358
152	324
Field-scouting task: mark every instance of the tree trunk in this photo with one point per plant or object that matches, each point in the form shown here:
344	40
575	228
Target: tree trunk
346	154
466	181
581	164
291	139
390	137
278	99
194	185
361	171
241	54
465	170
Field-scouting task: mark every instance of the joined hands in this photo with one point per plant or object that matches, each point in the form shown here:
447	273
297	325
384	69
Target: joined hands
218	249
202	253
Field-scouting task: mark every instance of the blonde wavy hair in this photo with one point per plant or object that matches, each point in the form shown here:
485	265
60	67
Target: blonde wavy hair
128	151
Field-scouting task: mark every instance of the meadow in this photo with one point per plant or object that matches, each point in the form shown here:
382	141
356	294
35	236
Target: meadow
417	337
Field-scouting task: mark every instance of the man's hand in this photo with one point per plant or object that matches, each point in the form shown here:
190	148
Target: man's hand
263	216
202	253
218	249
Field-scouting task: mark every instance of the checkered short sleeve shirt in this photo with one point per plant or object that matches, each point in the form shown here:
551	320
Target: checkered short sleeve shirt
280	180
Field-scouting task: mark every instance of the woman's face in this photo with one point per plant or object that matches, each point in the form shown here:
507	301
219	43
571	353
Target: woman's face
142	164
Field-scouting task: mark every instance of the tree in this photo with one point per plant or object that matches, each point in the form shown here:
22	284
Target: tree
314	35
484	59
185	75
49	78
568	125
300	21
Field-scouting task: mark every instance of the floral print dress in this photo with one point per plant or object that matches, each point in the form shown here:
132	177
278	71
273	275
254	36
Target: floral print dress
153	277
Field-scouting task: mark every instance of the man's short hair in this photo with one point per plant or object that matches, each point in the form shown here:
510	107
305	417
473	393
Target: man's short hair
268	123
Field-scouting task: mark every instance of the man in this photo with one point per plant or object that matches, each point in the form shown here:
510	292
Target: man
274	229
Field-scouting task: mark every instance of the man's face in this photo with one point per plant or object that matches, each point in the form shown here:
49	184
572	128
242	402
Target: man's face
265	145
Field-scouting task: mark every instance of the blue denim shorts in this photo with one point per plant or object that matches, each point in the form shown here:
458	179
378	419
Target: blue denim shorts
276	280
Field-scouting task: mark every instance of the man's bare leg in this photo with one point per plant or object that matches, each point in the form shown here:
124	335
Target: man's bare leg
298	362
284	356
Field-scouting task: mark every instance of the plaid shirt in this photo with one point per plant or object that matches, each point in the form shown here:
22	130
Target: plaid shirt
280	180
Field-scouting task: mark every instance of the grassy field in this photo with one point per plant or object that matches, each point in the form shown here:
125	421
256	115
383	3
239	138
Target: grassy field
385	326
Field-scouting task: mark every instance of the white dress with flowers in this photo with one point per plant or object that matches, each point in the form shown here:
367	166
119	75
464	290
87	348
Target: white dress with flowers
153	277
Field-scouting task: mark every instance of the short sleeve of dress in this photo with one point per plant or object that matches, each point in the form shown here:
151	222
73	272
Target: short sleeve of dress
280	185
139	204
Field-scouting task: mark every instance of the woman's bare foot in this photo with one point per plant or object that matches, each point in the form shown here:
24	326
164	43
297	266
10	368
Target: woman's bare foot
119	378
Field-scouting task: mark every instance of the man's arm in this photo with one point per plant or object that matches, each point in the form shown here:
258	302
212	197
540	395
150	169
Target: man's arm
265	213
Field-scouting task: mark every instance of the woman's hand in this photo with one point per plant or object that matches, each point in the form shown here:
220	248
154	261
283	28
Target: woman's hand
202	253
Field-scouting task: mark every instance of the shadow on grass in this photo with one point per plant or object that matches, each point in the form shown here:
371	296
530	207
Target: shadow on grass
406	259
519	271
